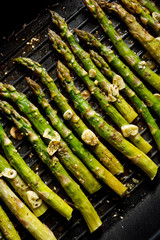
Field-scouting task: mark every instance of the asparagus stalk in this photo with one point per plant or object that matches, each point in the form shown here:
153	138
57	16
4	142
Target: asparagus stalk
39	230
70	186
149	5
135	6
124	108
63	152
151	44
106	131
74	143
32	178
140	106
102	153
21	188
131	58
7	227
62	48
135	83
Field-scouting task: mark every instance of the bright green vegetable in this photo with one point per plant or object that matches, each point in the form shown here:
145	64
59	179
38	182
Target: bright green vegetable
151	6
106	131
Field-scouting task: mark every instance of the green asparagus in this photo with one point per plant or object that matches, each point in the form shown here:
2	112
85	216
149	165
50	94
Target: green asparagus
135	83
7	227
124	108
53	140
73	190
106	131
74	143
21	188
149	5
140	106
132	59
151	44
39	230
135	6
32	178
102	153
62	48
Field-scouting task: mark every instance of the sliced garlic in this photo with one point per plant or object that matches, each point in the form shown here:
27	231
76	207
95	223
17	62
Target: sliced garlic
34	199
16	133
118	81
85	94
157	95
156	16
68	114
113	93
129	130
53	146
89	137
9	173
92	73
47	135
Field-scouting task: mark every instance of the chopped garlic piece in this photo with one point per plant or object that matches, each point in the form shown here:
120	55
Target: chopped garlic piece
53	146
113	93
9	173
68	114
156	16
118	81
16	133
129	130
157	95
89	137
92	73
34	199
48	136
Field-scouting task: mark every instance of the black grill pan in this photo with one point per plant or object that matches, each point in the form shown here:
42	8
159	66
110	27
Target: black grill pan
134	217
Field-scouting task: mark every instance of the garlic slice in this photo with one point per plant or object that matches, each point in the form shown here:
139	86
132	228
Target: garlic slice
34	199
92	73
129	130
113	93
9	173
68	114
118	81
89	137
16	133
53	146
156	16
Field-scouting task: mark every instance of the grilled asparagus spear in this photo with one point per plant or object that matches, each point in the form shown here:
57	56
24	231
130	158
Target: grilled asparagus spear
151	44
139	104
62	48
135	6
74	143
149	5
7	227
150	99
102	153
106	131
131	58
32	178
124	108
21	188
70	186
39	230
53	140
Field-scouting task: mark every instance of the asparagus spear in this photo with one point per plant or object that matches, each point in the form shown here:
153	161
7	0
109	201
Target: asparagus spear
124	108
106	131
39	230
62	48
140	106
32	178
150	99
151	44
71	187
22	188
74	143
105	156
7	227
131	58
135	6
62	150
149	5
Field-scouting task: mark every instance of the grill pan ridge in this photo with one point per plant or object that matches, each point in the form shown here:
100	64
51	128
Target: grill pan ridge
134	217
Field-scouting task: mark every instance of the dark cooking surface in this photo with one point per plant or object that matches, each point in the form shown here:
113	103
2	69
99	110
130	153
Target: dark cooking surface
134	217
